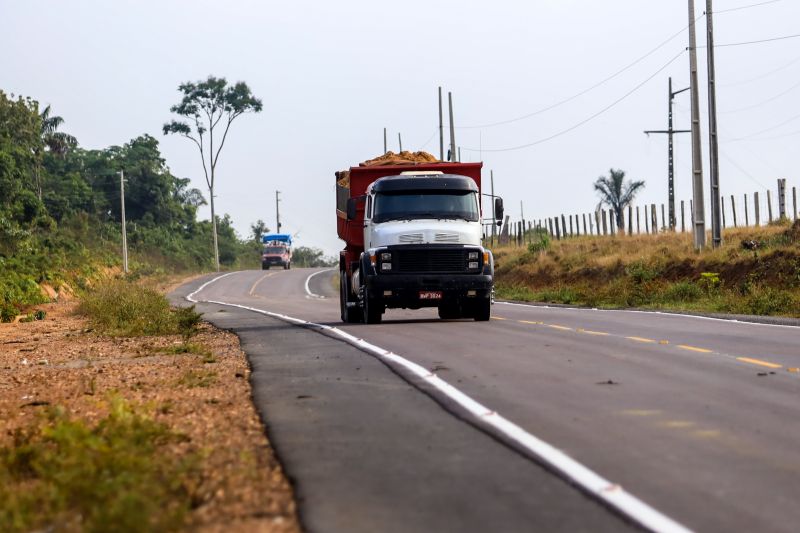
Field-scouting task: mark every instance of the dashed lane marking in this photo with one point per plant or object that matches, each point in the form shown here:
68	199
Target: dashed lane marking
531	322
556	326
759	362
640	339
498	318
694	348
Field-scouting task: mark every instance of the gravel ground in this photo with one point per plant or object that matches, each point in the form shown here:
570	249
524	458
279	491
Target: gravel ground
59	361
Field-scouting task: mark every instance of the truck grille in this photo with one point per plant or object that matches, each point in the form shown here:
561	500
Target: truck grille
431	260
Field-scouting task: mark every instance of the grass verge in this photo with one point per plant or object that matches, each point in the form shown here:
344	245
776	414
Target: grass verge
756	271
66	474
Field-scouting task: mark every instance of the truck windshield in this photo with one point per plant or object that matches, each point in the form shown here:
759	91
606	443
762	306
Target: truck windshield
409	205
274	249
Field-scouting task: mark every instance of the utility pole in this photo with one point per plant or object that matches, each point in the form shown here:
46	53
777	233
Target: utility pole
716	228
452	128
670	159
277	212
124	226
400	141
441	128
494	215
699	217
385	147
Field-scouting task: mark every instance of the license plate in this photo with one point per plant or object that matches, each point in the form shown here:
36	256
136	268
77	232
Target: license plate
430	295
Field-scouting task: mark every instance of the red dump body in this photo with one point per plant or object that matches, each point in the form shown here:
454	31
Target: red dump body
352	231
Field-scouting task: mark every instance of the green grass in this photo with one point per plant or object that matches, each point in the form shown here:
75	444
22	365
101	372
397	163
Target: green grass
63	474
123	308
755	272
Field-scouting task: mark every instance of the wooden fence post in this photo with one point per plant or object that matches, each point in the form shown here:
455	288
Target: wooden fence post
571	227
757	208
733	209
558	230
683	219
584	223
746	213
691	215
722	200
663	218
654	219
794	202
769	204
781	198
605	223
563	225
630	219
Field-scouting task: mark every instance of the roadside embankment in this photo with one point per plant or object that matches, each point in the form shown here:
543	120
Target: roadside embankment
119	413
755	272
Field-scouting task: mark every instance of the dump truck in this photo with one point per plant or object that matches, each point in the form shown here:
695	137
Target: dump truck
277	250
412	229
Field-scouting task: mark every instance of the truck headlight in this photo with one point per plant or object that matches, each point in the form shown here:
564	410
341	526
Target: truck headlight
473	265
386	256
472	256
386	266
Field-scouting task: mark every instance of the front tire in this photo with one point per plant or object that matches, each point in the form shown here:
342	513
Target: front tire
349	314
483	310
373	310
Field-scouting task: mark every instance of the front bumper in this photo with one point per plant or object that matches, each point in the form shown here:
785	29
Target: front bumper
403	290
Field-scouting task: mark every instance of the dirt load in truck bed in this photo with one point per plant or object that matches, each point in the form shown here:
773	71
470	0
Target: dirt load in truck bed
389	158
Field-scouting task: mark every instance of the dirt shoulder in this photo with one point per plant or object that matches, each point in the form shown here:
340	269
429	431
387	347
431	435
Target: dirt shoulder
205	397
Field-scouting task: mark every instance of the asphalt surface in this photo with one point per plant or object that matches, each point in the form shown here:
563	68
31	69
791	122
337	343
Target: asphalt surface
696	417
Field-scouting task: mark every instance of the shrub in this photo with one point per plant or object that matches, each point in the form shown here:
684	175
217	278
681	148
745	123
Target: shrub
64	474
682	291
119	307
769	301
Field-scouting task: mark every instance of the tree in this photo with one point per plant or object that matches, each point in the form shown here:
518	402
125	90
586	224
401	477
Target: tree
311	257
258	228
211	104
616	193
57	143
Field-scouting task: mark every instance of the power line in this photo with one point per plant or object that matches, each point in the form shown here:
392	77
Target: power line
581	123
763	75
743	171
581	93
773	98
756	134
756	42
745	7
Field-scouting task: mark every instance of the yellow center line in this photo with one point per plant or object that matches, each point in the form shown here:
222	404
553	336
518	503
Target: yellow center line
498	318
253	288
590	332
759	362
530	322
694	348
556	326
640	339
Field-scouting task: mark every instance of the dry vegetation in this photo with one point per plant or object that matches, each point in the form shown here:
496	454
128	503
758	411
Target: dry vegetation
103	429
756	271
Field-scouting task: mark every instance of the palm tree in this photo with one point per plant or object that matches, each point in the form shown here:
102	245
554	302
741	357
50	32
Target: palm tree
617	194
57	142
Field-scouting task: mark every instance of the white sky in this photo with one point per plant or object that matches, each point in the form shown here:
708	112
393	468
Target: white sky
332	75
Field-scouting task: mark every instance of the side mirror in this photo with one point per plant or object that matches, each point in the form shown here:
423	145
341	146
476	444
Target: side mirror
498	209
352	206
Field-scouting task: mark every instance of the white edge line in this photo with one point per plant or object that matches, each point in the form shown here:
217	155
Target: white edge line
700	317
308	289
610	493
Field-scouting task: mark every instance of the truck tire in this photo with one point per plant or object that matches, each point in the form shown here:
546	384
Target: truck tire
349	314
483	310
373	310
264	266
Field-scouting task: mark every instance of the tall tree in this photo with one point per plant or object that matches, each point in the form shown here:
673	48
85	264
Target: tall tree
209	105
258	229
57	142
616	193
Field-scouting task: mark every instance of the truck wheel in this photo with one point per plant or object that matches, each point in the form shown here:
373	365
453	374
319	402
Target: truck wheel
373	311
349	314
483	310
264	267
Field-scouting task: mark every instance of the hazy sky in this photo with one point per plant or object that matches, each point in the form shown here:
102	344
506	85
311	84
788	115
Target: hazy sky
332	75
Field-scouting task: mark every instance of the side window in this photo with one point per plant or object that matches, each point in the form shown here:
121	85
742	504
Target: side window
368	214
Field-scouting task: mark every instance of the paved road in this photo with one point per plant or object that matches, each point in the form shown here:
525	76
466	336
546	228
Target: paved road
696	417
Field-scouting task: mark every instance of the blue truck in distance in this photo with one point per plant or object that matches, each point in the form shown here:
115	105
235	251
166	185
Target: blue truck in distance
277	250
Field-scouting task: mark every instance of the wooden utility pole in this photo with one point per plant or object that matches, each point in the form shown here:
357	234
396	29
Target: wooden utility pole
441	138
670	152
385	146
452	128
400	141
698	209
277	212
124	225
781	198
713	151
